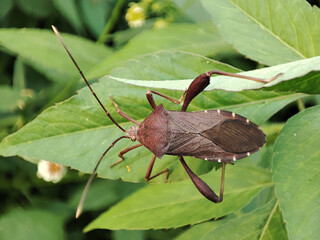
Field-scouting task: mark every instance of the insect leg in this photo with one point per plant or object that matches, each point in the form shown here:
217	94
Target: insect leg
203	80
148	178
222	181
152	102
124	152
202	187
261	80
122	113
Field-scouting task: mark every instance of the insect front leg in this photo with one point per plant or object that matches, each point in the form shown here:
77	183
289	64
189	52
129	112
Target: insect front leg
152	102
121	113
148	176
124	152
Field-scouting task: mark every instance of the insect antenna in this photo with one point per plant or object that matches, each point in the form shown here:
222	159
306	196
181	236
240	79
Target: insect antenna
84	78
85	191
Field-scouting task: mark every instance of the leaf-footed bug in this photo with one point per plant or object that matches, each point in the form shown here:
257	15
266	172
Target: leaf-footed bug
213	135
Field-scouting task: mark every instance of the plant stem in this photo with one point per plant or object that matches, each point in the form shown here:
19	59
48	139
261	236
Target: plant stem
112	20
300	105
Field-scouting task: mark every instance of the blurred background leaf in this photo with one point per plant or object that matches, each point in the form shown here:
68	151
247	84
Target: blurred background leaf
36	224
43	43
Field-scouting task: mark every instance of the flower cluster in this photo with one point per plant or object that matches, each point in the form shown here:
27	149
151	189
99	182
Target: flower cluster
135	16
162	12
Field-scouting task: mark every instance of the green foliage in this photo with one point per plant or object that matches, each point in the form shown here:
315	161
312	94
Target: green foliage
261	223
296	173
272	194
31	219
43	43
285	30
182	203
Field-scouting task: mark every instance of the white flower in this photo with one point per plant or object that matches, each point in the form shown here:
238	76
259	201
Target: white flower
136	23
50	172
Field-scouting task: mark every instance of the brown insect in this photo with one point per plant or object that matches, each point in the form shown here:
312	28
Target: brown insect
212	135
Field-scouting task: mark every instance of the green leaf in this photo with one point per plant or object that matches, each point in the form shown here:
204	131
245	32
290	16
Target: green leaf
11	99
128	235
166	65
95	14
193	9
179	204
19	80
68	9
34	224
296	169
162	66
109	192
254	225
35	8
202	39
275	226
268	31
5	7
80	130
42	50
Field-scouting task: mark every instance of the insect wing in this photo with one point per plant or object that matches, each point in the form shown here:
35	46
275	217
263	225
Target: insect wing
213	135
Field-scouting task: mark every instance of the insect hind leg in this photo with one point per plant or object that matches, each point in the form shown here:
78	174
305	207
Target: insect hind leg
202	187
